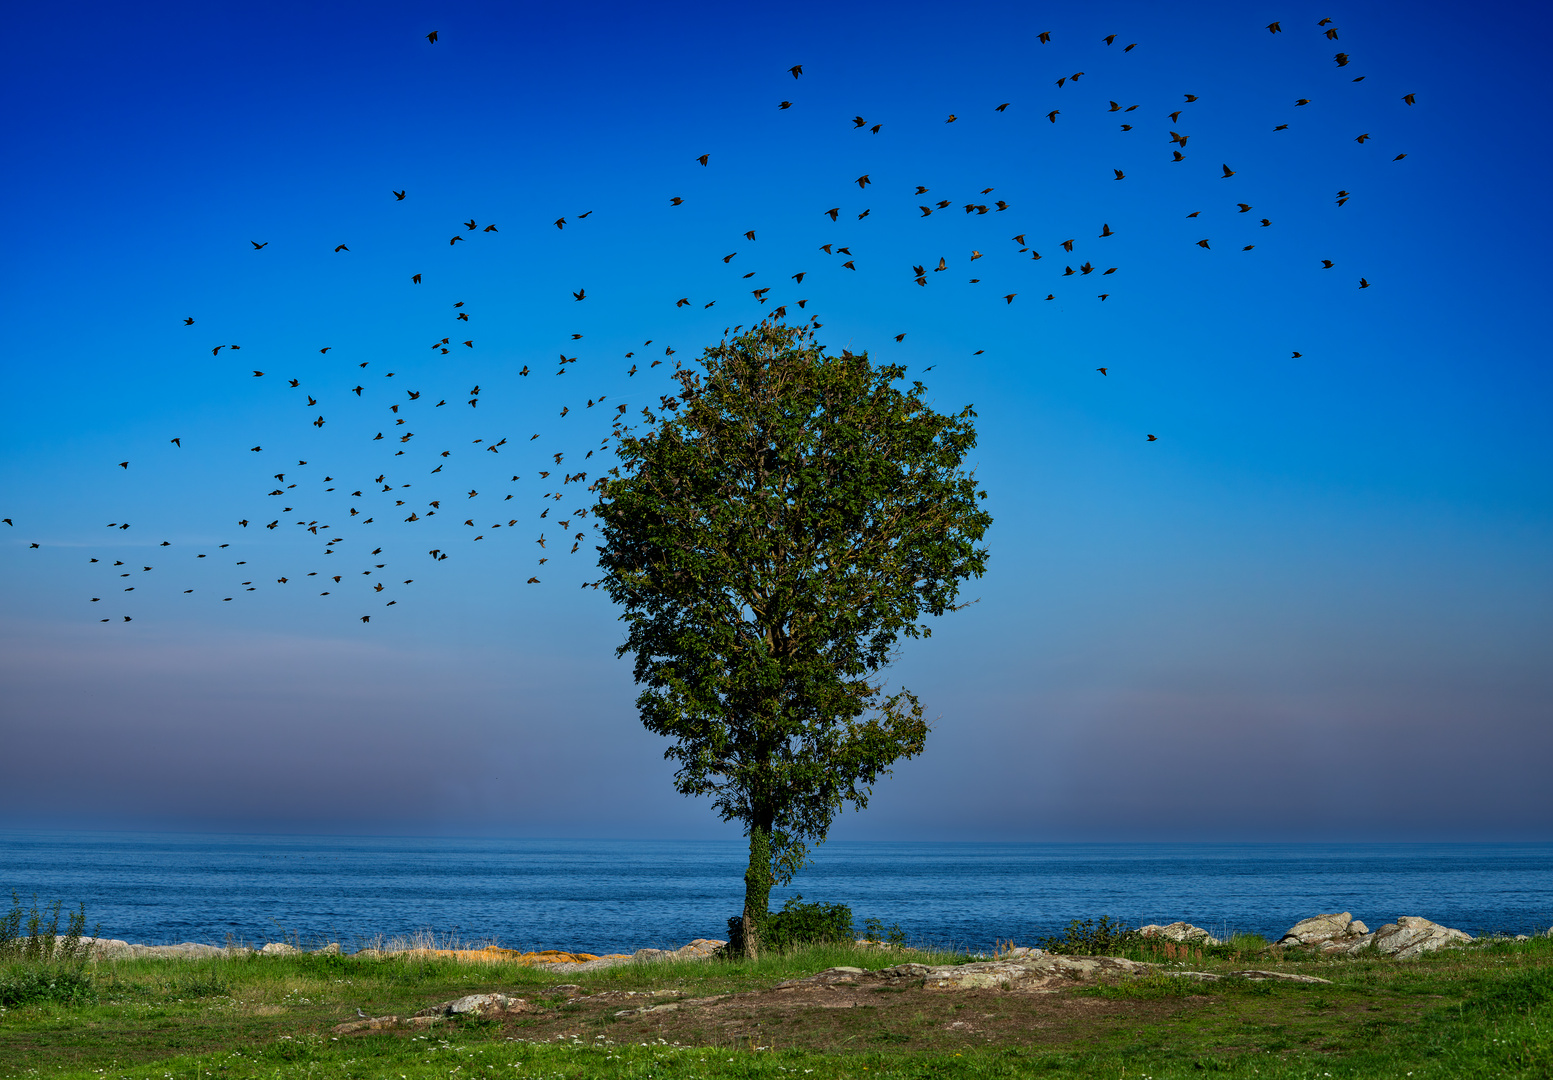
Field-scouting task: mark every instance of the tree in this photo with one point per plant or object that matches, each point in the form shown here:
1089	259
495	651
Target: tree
773	532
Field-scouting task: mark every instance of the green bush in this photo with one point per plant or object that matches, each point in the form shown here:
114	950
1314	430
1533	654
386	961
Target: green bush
56	984
796	924
875	930
1087	937
41	942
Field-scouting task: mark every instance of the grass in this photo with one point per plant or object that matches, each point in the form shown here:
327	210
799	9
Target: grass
1479	1012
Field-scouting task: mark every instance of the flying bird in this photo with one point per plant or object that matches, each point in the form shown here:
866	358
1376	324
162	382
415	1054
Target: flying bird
399	195
1052	116
257	245
1153	439
189	321
1228	172
1101	370
1001	107
432	37
177	442
1274	28
704	158
341	248
1409	98
580	294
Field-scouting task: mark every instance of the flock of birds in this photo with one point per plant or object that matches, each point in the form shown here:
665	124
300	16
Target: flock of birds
361	515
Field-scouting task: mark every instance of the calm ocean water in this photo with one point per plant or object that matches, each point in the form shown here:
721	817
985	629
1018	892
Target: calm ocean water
606	896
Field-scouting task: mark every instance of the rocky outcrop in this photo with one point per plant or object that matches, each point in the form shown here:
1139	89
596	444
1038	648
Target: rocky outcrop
1179	932
1343	935
279	948
1033	971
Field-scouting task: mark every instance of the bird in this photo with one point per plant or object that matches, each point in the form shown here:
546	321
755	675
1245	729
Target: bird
416	278
1244	207
1202	244
1101	370
1302	101
1399	157
675	201
1409	98
1361	138
1001	107
1109	39
580	294
1274	28
432	37
1297	355
399	195
1052	116
1046	37
1010	298
1105	230
1326	264
1228	172
189	321
1153	439
796	70
257	245
341	248
785	105
863	181
1119	174
177	442
1191	97
123	464
1363	284
900	337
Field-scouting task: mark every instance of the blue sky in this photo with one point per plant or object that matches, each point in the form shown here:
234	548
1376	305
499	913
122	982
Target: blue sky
1317	607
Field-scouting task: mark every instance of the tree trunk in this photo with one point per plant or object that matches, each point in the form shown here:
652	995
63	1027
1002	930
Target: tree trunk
757	889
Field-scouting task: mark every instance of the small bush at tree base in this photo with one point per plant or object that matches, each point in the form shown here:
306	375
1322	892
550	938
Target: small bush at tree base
796	924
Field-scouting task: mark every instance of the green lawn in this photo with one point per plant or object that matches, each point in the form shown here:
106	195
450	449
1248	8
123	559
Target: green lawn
1480	1012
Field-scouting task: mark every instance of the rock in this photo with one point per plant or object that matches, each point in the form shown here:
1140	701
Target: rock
1180	931
279	948
1037	971
377	1023
331	949
477	1005
1255	976
1411	935
1320	930
1342	935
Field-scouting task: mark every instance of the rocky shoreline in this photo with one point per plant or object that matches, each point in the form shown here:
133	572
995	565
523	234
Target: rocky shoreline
1338	934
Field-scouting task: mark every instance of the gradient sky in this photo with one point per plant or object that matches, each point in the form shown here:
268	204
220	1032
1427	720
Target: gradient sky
1316	608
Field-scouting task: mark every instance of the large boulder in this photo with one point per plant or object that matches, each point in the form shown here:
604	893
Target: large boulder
1179	931
1320	931
1343	935
1411	935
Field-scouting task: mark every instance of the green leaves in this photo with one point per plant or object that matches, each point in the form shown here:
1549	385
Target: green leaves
770	538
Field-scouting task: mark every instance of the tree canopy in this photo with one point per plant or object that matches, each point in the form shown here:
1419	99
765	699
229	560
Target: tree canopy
770	535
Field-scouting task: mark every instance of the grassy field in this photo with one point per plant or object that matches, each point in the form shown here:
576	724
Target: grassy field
1480	1012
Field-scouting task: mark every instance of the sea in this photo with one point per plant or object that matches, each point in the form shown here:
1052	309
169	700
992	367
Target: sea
620	895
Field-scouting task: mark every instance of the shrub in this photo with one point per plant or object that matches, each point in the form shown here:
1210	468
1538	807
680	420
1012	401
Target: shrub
57	984
1088	937
41	943
796	924
875	930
